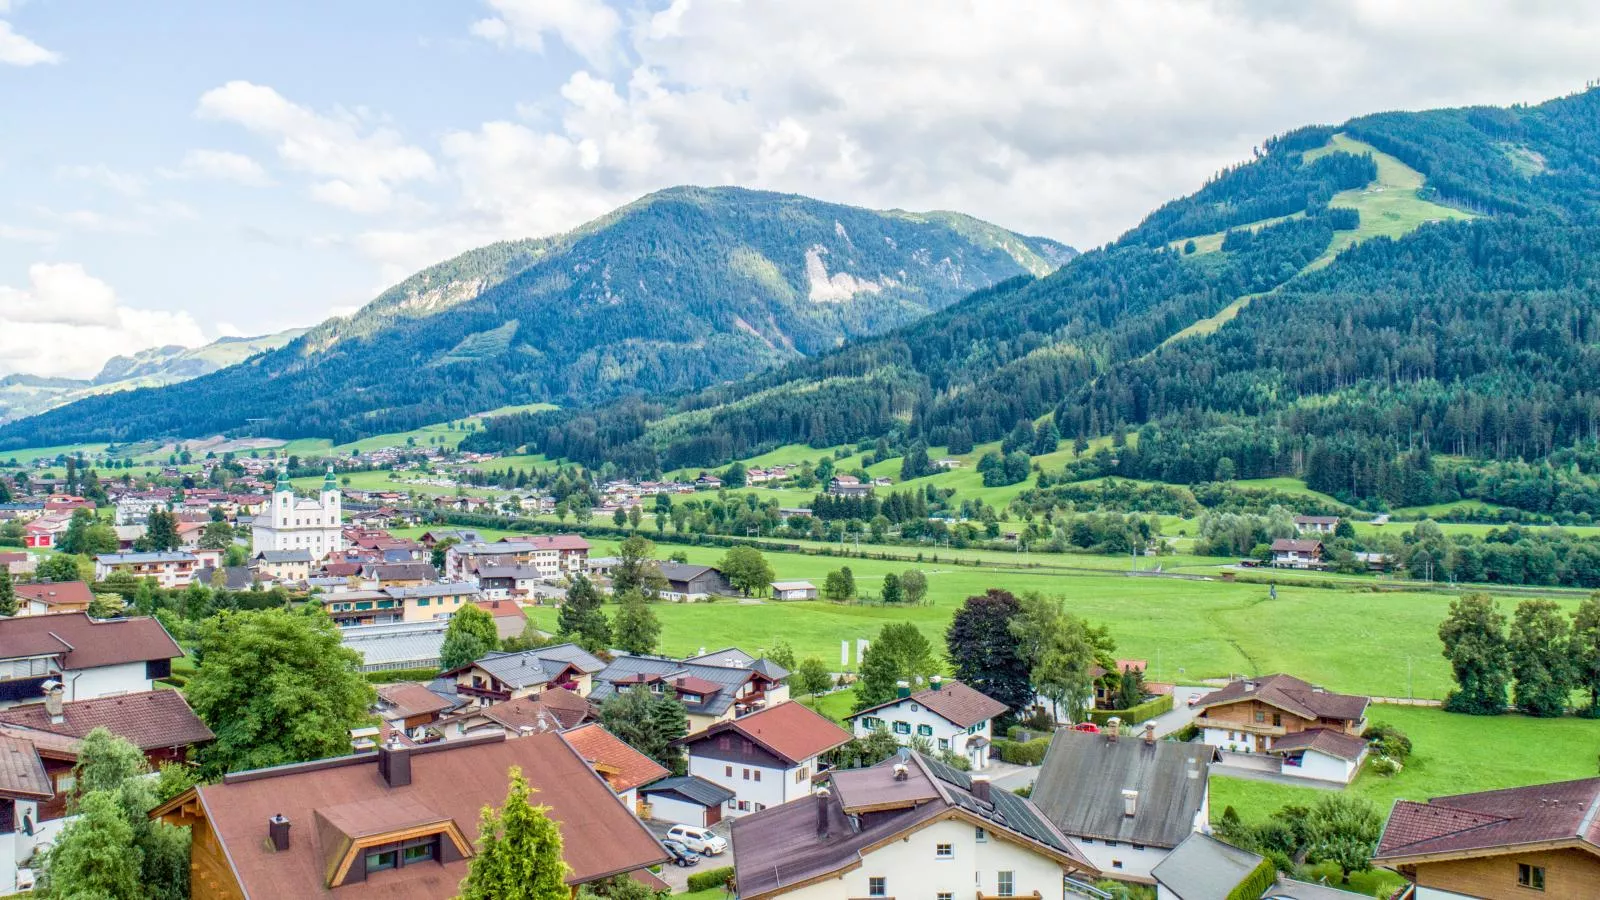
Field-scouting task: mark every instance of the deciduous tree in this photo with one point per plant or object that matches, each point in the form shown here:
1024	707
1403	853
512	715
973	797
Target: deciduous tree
812	678
913	586
1539	644
1586	650
635	628
470	634
747	569
1475	643
982	650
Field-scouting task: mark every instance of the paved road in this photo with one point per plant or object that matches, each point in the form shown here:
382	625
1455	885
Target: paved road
1010	777
1182	713
679	877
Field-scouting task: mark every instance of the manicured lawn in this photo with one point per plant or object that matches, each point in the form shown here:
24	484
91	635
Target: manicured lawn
836	705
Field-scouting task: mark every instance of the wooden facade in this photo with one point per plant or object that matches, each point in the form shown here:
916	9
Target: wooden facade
1265	720
210	876
1570	873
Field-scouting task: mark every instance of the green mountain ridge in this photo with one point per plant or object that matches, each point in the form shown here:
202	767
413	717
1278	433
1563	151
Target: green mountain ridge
1338	309
682	289
23	395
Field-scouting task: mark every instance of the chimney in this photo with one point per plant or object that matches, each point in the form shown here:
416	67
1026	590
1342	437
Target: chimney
822	812
900	772
902	689
937	681
982	790
52	702
1150	733
1130	802
394	763
278	832
1113	729
1249	686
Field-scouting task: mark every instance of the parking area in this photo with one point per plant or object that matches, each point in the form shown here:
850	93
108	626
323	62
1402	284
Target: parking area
677	876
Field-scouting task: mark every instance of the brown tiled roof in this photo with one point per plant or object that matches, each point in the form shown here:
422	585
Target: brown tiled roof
87	642
50	746
960	705
56	593
566	708
789	730
410	698
1492	821
451	780
150	720
628	768
1291	695
1290	545
22	775
1322	740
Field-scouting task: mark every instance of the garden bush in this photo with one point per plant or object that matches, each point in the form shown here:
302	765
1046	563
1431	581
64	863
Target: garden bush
393	675
711	878
1149	709
1022	754
1388	740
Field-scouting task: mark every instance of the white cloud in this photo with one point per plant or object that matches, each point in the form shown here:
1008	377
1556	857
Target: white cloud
17	50
360	163
66	322
125	183
589	27
220	165
26	234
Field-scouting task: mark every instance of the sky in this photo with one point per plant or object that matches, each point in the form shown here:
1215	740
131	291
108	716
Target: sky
175	172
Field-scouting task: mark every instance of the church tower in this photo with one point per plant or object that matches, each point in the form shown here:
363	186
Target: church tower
330	498
282	499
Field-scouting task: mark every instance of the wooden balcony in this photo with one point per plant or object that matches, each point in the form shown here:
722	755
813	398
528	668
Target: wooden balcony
482	693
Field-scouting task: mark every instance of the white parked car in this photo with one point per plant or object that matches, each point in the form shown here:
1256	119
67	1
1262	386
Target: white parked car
701	840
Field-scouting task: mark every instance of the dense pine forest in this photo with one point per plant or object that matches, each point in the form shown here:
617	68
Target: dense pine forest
1456	361
685	288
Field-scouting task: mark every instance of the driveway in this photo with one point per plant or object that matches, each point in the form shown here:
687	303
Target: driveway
1009	777
679	877
1261	767
1181	714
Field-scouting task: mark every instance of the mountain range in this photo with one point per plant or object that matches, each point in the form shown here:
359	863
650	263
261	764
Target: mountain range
682	289
1351	303
23	395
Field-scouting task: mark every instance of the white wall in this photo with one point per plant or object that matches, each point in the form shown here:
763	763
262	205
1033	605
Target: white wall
913	871
776	787
678	812
911	712
1135	864
17	847
1322	767
101	681
1429	893
1242	741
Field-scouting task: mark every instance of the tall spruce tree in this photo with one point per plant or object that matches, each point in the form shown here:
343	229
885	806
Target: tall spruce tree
582	619
635	628
519	851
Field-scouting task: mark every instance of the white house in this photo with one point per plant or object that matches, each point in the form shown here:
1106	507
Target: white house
170	568
300	523
766	758
1313	732
794	590
1323	525
948	715
88	657
907	827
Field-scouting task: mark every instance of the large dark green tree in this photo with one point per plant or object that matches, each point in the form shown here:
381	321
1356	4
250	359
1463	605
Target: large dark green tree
901	652
635	628
983	652
1586	651
649	723
1474	639
1540	647
470	634
582	618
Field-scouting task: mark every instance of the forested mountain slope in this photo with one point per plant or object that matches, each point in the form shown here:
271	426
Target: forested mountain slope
1462	320
25	395
679	290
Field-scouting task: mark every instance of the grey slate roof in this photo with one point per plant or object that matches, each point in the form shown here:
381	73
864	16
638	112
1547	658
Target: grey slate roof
1289	889
534	667
415	644
626	667
284	556
1204	868
572	653
447	589
731	657
691	787
1080	787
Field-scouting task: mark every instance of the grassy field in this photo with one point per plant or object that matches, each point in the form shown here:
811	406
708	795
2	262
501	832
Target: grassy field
1389	207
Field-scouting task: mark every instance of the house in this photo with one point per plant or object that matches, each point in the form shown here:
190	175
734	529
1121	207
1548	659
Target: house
498	677
1536	841
1314	732
625	769
509	582
409	707
398	574
848	486
88	657
553	709
424	603
1290	553
794	590
17	563
713	687
399	823
552	556
948	715
946	463
765	758
287	566
160	723
906	827
52	597
431	539
45	532
1126	802
24	786
1205	868
1319	525
686	583
684	800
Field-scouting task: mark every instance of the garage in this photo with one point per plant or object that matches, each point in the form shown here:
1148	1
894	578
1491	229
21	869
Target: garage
685	800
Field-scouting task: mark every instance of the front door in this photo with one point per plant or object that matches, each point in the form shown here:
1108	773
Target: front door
1261	743
713	815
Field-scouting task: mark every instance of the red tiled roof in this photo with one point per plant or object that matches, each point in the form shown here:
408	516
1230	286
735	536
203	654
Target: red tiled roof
150	720
1291	695
628	767
789	730
450	780
555	541
1492	821
56	593
565	707
87	642
1289	545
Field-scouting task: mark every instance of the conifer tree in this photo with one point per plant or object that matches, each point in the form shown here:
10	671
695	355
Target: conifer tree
519	851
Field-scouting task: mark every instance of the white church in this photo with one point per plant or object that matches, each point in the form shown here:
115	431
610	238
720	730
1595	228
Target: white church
294	523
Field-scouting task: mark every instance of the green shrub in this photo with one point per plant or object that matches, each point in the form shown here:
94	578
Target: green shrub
393	675
1187	733
1134	715
1385	765
1256	883
711	878
1022	754
1389	741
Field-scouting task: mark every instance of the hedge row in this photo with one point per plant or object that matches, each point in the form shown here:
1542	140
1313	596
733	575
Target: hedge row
1134	715
1256	883
392	675
1026	754
711	878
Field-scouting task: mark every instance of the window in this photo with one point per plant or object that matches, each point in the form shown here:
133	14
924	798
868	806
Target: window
1138	846
744	805
1116	864
1261	715
944	743
944	851
66	782
974	729
728	771
423	602
802	774
1006	884
981	836
902	727
1530	876
877	886
925	730
758	775
386	859
945	895
746	774
417	852
1277	720
1111	843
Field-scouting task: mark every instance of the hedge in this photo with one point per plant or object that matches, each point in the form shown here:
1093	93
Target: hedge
1028	754
1134	715
1256	883
391	675
711	878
